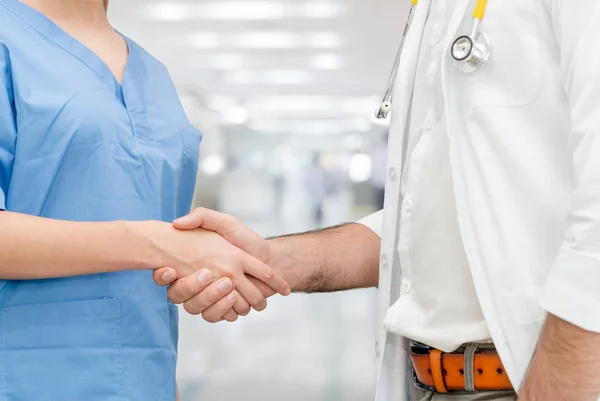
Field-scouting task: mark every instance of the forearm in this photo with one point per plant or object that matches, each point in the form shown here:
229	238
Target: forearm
328	260
566	365
33	247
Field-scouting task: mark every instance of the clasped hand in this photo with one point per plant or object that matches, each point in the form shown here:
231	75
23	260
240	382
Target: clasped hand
220	268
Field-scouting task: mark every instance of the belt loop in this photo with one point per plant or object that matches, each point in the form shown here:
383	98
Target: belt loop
469	369
437	371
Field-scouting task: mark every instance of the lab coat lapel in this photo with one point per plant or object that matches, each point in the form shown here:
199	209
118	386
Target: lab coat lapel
393	361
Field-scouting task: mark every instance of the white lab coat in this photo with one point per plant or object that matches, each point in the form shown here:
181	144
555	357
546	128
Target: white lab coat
524	136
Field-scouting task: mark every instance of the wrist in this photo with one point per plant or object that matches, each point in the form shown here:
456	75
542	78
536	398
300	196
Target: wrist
286	260
144	245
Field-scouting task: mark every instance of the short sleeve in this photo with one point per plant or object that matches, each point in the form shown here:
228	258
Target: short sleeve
374	222
8	132
571	291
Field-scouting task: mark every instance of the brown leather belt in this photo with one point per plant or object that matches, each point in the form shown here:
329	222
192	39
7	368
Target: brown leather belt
443	372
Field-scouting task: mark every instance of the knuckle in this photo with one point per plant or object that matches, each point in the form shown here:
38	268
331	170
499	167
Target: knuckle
191	286
243	310
231	220
259	303
191	308
269	273
210	318
261	307
199	211
174	295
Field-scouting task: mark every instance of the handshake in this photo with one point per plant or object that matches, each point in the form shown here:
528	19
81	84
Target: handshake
216	267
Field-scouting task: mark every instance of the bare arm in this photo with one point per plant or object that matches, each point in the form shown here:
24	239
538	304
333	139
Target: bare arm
34	247
566	365
333	259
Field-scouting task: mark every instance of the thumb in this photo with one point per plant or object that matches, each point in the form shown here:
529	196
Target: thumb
164	276
191	221
227	227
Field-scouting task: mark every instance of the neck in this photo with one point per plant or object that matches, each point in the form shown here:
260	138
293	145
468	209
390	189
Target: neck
90	13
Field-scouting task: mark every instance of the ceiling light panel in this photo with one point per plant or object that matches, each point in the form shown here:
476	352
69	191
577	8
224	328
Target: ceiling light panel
311	127
204	40
243	10
326	61
258	40
289	105
269	77
285	40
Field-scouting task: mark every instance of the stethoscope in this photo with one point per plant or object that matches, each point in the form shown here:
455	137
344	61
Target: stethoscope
469	53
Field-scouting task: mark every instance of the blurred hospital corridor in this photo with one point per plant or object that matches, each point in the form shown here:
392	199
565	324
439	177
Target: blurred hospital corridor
284	92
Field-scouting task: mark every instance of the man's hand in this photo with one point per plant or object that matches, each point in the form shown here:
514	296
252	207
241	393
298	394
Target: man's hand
566	366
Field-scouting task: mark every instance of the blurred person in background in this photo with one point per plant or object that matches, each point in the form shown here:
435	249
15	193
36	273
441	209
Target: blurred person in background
317	184
492	213
96	159
379	174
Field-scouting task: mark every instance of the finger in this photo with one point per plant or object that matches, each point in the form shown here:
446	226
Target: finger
185	288
251	294
206	218
262	287
164	276
227	227
241	307
264	273
221	309
212	294
231	316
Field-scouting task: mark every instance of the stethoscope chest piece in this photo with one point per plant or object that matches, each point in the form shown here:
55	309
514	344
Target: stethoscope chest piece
470	53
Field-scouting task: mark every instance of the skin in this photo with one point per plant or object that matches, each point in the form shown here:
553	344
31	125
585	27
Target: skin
335	259
566	365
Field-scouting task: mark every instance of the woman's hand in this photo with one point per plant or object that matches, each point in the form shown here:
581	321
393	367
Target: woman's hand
197	257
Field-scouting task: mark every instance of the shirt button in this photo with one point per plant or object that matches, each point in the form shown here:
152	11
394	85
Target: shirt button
406	287
392	173
428	125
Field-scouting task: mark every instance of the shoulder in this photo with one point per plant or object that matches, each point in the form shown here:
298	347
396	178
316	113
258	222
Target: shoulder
7	23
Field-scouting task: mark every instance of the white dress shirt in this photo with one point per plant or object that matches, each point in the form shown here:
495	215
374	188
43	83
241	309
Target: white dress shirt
523	139
437	305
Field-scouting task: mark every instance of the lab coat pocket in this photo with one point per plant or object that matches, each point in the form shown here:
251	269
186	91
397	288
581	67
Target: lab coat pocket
68	351
512	75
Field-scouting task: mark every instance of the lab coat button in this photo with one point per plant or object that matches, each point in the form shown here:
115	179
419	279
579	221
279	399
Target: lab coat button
436	36
384	262
377	350
407	205
406	287
392	173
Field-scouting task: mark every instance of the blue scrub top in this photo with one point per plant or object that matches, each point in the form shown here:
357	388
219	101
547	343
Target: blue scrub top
76	145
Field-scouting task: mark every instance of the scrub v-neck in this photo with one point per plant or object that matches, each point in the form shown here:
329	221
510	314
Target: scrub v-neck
55	34
130	93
